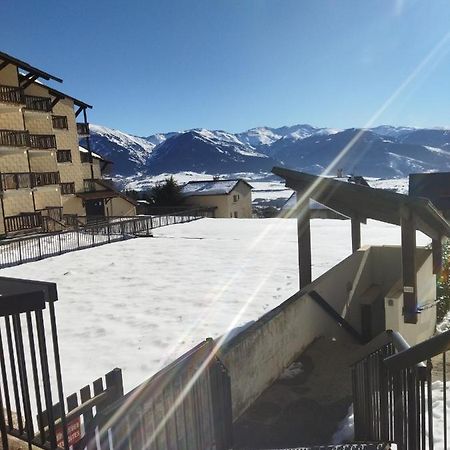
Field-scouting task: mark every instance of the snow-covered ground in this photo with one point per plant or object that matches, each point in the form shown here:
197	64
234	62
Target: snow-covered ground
141	303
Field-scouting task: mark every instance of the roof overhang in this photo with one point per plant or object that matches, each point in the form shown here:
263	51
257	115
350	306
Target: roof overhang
27	67
362	202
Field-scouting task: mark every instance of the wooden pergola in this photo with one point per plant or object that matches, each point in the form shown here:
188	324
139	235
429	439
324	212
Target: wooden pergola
360	203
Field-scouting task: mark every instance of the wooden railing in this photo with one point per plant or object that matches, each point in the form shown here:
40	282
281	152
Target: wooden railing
11	94
42	141
44	178
35	103
14	138
15	181
24	221
60	122
82	129
23	180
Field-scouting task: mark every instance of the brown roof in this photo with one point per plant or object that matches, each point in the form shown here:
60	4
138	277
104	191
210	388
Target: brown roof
362	202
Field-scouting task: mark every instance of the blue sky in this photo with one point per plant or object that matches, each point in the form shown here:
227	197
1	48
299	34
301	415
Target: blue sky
161	65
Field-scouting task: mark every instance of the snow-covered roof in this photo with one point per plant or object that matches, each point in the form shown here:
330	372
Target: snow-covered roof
210	187
94	155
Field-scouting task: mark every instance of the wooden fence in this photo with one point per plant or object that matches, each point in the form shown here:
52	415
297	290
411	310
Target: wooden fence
87	233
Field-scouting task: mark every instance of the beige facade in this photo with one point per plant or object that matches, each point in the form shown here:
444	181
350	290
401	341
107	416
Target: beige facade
229	203
42	170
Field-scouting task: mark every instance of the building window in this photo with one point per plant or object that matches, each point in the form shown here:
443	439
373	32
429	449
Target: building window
84	157
64	156
235	215
235	198
67	188
60	122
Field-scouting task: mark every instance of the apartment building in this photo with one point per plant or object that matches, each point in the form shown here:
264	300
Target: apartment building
45	176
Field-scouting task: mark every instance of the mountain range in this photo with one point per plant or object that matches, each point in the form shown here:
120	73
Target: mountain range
383	151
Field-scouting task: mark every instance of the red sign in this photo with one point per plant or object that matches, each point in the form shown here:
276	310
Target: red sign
73	433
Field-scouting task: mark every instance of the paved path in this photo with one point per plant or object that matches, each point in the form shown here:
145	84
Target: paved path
307	407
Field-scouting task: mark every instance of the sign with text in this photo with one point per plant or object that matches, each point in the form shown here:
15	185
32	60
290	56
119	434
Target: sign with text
73	433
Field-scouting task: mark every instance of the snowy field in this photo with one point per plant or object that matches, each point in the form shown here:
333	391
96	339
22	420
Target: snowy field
141	303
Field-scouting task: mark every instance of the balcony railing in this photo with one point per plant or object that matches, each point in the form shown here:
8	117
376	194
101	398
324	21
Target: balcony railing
35	103
82	129
24	221
11	94
42	141
60	122
27	180
90	186
15	181
44	178
14	138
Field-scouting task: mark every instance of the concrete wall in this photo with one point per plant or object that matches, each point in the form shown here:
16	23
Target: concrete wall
258	355
426	295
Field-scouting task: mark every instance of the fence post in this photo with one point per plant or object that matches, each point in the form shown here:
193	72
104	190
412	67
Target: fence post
59	240
109	232
20	251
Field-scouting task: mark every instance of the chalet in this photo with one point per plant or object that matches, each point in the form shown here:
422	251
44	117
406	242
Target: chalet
231	198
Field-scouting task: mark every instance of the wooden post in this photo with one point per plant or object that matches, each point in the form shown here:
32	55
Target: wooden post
304	242
437	255
356	234
409	267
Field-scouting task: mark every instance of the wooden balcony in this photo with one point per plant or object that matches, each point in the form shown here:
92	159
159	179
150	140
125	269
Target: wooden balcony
11	94
42	141
82	129
60	122
27	180
35	103
24	221
12	181
14	138
44	178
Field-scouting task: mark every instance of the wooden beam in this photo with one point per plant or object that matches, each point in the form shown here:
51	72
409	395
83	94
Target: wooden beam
304	243
55	102
78	111
437	256
3	65
29	79
408	226
356	234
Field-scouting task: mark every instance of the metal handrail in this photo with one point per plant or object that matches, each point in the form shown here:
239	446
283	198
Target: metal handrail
418	353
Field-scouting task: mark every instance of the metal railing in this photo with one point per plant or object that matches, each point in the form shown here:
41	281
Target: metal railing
82	129
393	392
14	138
43	141
36	103
29	360
11	94
86	232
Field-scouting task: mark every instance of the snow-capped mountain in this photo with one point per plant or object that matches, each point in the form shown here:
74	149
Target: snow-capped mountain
383	151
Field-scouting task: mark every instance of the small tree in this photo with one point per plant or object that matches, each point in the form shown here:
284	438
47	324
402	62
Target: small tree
167	193
443	283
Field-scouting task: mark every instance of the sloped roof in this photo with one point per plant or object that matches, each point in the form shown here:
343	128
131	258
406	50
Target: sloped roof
94	155
210	187
362	202
29	68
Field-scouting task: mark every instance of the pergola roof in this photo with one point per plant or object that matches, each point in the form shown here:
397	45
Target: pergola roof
25	66
362	202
